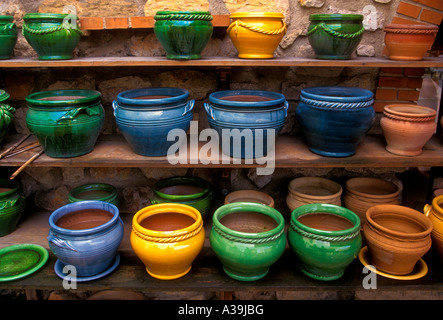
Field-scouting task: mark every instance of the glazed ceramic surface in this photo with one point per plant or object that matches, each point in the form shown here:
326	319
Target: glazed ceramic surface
94	191
248	238
169	243
256	35
326	247
435	213
407	128
6	115
52	35
183	34
12	205
67	123
249	196
335	36
8	36
92	250
334	120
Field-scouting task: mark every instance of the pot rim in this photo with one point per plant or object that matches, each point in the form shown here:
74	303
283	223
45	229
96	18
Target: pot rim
87	97
127	97
4	95
340	94
237	15
320	180
93	186
350	188
165	12
255	193
232	208
410	110
436	204
400	26
37	16
173	181
326	208
14	185
335	17
6	18
277	98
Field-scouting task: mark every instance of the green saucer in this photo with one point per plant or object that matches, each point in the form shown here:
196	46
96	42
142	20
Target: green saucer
21	260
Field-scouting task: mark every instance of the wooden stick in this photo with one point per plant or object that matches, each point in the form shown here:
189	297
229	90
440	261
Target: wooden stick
23	149
35	156
15	145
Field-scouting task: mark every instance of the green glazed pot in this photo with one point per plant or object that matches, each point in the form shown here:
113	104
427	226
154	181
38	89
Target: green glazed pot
192	191
8	36
6	115
335	36
52	35
95	191
12	205
183	34
248	238
324	254
66	122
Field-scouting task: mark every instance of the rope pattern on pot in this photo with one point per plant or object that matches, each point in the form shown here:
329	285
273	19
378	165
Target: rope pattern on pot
323	26
407	31
245	240
50	30
324	238
168	239
336	105
183	16
406	118
239	23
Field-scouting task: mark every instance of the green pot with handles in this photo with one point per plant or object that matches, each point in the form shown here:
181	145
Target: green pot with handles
8	36
53	36
325	238
6	115
12	205
248	238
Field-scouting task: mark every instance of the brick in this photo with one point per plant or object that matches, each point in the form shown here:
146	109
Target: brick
116	23
379	105
414	83
435	4
398	20
408	95
415	72
391	70
392	82
385	94
407	9
431	16
221	20
142	22
92	23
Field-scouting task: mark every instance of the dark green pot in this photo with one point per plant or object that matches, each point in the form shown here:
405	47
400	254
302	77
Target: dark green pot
94	191
335	36
324	254
12	205
183	34
6	115
66	122
8	36
52	35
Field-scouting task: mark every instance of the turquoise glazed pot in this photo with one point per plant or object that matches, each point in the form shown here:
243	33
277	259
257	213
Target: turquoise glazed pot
325	238
8	36
335	36
183	34
94	191
52	35
12	205
248	238
6	115
67	123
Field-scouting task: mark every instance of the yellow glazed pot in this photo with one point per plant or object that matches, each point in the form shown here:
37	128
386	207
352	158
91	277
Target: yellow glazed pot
256	35
435	213
167	238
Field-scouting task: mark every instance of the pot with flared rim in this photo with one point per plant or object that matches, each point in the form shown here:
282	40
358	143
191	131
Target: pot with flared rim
246	99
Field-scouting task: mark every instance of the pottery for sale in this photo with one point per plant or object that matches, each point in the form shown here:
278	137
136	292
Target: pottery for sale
249	196
248	238
94	191
325	238
435	213
6	115
12	205
8	36
407	128
167	237
397	237
256	35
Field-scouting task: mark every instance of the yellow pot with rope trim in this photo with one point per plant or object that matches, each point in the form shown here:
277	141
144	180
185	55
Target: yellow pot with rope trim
256	35
167	237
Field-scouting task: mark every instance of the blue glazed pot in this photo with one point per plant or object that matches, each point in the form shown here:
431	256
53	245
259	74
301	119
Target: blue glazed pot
91	251
334	120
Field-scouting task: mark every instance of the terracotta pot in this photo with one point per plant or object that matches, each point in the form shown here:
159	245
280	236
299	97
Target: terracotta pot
363	193
397	237
306	190
407	128
250	196
435	213
409	41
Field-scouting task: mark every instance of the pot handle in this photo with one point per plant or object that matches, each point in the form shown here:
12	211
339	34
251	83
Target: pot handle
323	26
9	26
114	106
208	109
427	210
189	107
64	26
71	114
60	243
6	114
286	107
238	23
153	201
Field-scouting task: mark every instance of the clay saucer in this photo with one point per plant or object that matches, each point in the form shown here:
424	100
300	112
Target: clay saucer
420	269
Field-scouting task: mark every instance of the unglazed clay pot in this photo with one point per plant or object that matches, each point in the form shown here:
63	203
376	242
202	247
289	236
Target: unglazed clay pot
409	41
397	237
407	128
306	190
247	238
325	238
435	213
250	196
167	237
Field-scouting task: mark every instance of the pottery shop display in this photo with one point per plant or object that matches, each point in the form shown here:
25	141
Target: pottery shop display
247	121
66	123
12	205
192	191
361	193
335	36
146	116
407	128
94	191
52	35
325	238
249	196
183	34
167	237
435	213
6	115
409	41
248	238
306	190
86	235
334	120
397	237
256	35
8	36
